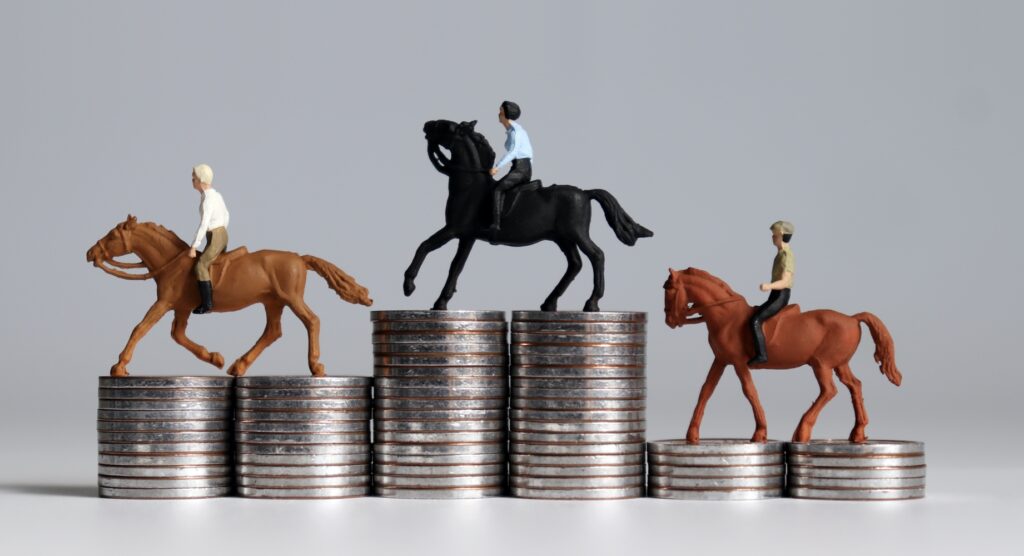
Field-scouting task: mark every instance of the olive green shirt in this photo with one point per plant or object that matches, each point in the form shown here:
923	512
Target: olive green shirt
784	262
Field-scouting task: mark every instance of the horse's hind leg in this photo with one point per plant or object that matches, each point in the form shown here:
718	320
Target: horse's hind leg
750	391
852	383
596	256
154	314
572	256
312	323
271	332
828	391
458	263
178	334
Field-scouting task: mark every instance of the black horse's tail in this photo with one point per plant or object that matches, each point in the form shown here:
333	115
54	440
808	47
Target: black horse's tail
626	229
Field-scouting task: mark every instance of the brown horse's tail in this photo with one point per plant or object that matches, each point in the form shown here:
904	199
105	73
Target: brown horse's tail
885	350
346	286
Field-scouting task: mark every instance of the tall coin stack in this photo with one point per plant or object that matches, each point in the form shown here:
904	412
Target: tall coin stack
164	437
303	437
440	404
716	469
578	405
841	470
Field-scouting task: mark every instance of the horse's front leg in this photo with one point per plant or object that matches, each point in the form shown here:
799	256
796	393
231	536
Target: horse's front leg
178	333
714	374
432	243
154	314
750	391
458	263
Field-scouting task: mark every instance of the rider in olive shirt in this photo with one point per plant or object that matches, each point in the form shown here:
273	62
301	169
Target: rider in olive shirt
782	280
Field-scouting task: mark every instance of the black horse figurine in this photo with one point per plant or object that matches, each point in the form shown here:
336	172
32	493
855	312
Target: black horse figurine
559	213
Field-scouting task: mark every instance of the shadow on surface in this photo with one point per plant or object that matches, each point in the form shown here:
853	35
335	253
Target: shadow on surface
76	491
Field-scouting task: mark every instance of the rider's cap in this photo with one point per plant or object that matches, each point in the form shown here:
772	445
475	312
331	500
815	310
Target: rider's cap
784	227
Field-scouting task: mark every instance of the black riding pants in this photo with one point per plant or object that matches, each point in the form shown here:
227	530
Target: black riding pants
777	299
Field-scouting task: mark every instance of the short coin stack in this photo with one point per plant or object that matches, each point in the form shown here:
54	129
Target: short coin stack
441	403
164	436
303	437
716	469
578	405
842	470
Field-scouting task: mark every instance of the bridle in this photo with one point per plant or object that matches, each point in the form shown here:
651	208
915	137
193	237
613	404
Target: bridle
474	154
126	238
694	309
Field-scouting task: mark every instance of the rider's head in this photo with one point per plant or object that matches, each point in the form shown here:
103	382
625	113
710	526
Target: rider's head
509	111
202	175
782	232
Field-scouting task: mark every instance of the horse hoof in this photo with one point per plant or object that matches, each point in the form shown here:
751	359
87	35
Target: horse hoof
408	287
118	370
238	368
693	436
591	307
759	436
318	370
858	437
549	307
217	360
440	306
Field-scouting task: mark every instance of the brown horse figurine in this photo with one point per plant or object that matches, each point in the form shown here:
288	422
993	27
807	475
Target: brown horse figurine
274	278
823	339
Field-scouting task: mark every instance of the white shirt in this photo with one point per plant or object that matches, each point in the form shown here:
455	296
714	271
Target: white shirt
212	214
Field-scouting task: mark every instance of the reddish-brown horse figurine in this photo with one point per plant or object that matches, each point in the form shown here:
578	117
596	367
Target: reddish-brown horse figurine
277	279
823	339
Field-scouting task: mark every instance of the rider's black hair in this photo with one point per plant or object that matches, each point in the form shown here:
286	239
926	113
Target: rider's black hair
511	110
787	237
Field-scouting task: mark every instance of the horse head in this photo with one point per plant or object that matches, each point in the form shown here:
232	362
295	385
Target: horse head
116	243
676	299
469	150
693	291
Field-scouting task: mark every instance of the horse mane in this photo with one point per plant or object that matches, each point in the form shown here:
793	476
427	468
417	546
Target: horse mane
484	148
705	275
164	233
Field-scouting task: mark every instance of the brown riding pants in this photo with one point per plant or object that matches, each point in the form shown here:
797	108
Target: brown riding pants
216	242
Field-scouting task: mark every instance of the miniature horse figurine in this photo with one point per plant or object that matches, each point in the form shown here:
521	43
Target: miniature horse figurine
274	278
559	213
823	339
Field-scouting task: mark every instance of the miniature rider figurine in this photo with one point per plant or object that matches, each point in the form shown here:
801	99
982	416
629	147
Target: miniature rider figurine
782	280
213	225
519	152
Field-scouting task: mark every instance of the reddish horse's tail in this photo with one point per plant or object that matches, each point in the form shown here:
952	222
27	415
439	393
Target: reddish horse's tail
345	285
885	350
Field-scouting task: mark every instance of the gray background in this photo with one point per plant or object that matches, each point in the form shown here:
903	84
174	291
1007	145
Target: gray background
889	132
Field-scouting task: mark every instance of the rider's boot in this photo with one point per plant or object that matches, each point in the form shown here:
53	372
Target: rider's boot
206	295
760	352
499	198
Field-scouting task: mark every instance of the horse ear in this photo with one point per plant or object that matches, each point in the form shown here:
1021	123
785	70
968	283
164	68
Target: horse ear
130	223
471	125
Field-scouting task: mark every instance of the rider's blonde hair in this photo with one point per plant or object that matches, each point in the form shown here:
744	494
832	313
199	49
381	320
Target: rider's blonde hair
204	173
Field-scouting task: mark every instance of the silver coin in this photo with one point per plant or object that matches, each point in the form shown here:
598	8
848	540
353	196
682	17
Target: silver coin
519	425
776	470
575	416
579	316
579	383
576	449
302	459
875	484
575	404
164	415
161	394
437	316
715	461
439	449
214	459
387	425
576	437
441	403
569	372
517	470
444	349
440	460
579	360
164	448
440	327
177	471
637	328
166	381
442	393
714	495
577	482
252	470
850	494
438	470
449	360
304	416
548	460
578	494
449	437
608	350
584	394
304	382
132	482
528	338
164	493
440	482
304	493
847	448
381	340
300	404
444	383
381	414
343	481
303	427
104	425
717	482
300	449
869	461
715	446
440	372
305	437
303	393
147	406
438	493
857	472
151	437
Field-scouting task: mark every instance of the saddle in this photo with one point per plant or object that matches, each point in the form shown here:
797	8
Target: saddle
775	321
221	263
513	196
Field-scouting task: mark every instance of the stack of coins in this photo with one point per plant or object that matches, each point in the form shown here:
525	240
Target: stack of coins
164	437
578	405
303	437
441	403
842	470
716	469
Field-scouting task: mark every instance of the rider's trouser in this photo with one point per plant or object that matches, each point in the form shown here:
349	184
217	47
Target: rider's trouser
216	242
777	299
520	173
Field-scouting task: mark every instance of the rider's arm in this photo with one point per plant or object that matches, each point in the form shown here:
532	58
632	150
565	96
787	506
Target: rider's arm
204	223
785	282
511	150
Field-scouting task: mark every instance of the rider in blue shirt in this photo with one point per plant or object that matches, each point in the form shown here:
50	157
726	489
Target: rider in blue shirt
519	152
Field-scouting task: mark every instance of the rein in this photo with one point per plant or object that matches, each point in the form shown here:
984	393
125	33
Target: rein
474	154
696	309
126	239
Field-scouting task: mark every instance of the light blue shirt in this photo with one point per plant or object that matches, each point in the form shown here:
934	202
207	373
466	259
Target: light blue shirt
517	144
